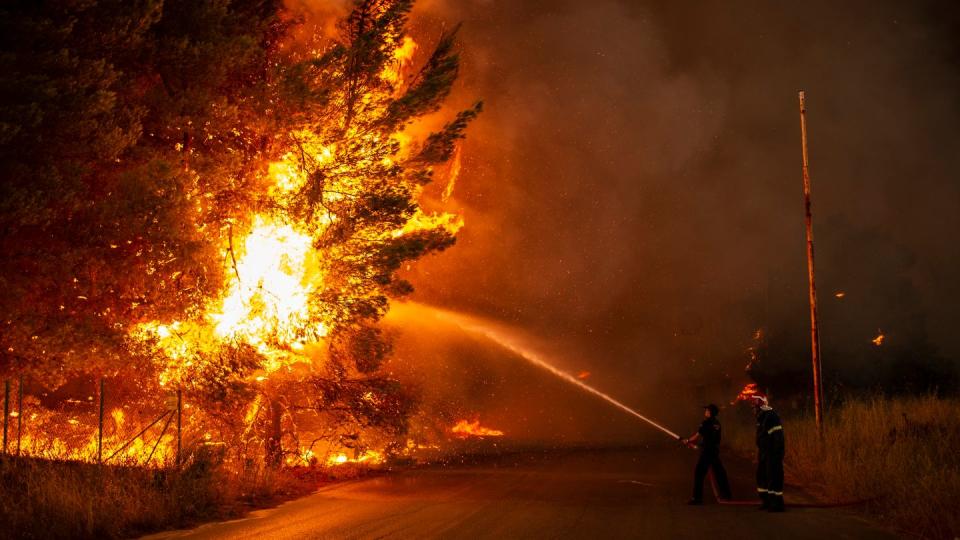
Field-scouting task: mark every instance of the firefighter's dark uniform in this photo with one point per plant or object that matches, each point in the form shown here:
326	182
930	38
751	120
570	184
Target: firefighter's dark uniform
710	433
770	450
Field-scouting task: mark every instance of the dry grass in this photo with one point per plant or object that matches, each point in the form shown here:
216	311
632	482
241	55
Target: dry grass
57	499
901	454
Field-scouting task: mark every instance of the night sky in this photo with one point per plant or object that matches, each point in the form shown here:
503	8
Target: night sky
633	193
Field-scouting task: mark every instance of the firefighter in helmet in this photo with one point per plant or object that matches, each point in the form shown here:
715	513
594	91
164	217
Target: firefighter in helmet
708	437
770	451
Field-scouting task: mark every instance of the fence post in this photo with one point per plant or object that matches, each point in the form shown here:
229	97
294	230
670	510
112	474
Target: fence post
19	413
6	412
100	427
179	409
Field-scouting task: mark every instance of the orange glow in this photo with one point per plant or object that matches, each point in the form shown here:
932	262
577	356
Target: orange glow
425	222
277	271
465	428
452	176
748	391
840	294
402	58
583	375
878	341
273	271
369	457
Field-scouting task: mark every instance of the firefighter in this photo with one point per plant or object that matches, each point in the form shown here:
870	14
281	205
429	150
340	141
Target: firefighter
708	437
770	451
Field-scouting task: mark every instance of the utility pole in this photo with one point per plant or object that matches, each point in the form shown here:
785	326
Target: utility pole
814	331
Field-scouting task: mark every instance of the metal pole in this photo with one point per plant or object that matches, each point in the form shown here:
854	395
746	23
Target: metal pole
100	427
19	413
6	412
179	409
814	331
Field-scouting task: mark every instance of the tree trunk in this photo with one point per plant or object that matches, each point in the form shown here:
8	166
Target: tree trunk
274	447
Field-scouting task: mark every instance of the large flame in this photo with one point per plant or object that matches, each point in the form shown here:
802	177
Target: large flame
269	288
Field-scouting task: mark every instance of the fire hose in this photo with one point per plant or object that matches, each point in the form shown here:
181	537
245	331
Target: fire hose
472	325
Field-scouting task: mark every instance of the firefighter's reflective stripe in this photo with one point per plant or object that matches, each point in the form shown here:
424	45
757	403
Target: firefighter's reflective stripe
777	493
774	428
761	490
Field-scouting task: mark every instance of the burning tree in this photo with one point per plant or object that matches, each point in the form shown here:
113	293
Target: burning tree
237	231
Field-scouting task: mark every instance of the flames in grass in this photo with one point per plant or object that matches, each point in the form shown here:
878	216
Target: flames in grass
465	428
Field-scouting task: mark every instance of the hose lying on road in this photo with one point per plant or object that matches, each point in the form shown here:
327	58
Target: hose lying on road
741	502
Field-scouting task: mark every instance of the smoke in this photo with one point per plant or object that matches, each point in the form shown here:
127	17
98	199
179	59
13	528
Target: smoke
632	192
465	368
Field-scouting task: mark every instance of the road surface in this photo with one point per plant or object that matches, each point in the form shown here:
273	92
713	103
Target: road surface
635	493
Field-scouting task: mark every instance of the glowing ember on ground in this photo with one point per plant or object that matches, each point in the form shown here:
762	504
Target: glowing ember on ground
840	294
878	341
465	428
370	457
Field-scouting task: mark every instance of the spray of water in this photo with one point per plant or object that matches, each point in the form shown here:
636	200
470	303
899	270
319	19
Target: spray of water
475	326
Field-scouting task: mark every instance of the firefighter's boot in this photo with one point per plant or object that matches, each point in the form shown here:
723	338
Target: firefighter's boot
776	503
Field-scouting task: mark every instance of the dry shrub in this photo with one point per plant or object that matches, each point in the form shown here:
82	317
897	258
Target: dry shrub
898	454
61	499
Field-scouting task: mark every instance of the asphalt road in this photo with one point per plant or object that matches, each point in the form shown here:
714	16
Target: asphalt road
635	493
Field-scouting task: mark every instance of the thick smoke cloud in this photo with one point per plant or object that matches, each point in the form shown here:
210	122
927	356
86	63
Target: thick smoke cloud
632	192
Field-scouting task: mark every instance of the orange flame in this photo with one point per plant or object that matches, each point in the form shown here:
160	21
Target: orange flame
402	58
369	456
272	268
583	375
453	175
878	341
465	428
748	391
